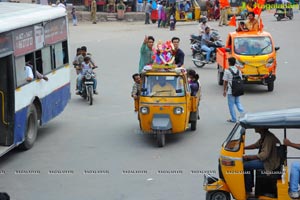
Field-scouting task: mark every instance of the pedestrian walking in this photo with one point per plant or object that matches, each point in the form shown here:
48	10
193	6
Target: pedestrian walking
232	100
224	5
74	17
93	11
148	10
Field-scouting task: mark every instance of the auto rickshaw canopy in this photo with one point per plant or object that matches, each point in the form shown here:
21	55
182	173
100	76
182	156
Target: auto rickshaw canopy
285	118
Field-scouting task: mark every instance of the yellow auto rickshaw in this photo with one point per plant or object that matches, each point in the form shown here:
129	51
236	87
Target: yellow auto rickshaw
187	10
272	185
165	103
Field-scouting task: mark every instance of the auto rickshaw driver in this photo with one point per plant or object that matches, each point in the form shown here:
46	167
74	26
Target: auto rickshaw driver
266	159
163	88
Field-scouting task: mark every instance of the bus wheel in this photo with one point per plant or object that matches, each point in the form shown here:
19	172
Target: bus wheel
161	139
218	195
271	86
31	128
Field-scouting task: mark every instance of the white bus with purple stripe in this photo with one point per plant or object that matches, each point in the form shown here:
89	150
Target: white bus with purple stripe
37	34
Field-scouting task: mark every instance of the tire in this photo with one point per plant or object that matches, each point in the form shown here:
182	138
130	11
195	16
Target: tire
220	77
90	95
218	195
31	128
278	18
161	139
271	86
199	56
194	125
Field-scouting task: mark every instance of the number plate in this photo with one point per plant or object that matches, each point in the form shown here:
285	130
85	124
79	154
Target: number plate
88	82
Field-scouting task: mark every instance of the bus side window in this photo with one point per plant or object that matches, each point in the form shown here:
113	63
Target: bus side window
65	52
46	60
20	71
39	61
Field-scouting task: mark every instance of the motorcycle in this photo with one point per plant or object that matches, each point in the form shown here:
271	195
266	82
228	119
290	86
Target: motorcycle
88	85
199	55
195	39
283	13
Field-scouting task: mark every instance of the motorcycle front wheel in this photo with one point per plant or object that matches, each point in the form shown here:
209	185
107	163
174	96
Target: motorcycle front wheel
198	60
90	95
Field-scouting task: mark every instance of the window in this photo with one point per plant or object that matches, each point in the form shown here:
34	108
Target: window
46	60
58	55
234	139
20	71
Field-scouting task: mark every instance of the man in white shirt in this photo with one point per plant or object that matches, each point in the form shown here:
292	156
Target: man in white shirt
232	100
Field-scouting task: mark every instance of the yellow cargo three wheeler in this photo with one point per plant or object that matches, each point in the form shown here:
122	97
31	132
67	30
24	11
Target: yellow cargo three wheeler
165	104
231	183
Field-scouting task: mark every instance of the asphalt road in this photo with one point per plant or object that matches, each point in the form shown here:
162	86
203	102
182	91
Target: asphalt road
97	152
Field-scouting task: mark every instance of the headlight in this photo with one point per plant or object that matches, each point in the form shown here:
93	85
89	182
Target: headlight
270	62
144	110
240	64
178	110
88	76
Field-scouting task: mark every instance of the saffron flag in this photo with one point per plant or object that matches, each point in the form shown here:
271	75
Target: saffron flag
257	10
232	21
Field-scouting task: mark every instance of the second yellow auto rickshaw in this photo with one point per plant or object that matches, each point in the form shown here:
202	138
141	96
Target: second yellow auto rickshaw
166	105
272	185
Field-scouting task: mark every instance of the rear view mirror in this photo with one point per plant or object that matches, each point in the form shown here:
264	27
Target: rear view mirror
227	49
277	48
179	91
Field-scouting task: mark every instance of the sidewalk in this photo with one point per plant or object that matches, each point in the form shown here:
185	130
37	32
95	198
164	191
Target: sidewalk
108	17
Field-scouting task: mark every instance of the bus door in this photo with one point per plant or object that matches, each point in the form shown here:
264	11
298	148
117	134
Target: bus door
7	105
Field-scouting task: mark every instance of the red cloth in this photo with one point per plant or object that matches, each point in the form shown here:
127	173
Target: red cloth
232	21
154	15
224	4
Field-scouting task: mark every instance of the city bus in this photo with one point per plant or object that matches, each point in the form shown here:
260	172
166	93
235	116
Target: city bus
37	34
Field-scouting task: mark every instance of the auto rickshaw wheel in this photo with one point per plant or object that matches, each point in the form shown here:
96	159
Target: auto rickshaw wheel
218	195
194	125
220	77
161	139
271	86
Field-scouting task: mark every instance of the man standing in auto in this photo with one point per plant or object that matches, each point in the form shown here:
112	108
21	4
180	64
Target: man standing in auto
179	55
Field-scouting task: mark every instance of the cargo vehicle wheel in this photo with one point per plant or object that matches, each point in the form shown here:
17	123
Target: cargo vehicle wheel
220	77
199	57
31	128
278	18
218	195
161	139
271	86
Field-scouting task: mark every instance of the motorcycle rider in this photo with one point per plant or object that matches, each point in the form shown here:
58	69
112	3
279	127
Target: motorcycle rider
206	44
85	66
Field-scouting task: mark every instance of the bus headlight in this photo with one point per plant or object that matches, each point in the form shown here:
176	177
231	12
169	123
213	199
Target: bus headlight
178	110
270	62
144	110
240	64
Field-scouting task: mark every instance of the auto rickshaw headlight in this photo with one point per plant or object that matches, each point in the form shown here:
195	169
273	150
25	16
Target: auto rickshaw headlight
144	110
240	64
178	110
270	62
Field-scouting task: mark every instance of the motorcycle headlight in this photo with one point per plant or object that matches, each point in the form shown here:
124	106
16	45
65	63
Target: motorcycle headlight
88	76
144	110
270	62
178	110
240	64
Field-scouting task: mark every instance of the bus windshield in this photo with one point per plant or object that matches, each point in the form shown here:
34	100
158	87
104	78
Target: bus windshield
253	45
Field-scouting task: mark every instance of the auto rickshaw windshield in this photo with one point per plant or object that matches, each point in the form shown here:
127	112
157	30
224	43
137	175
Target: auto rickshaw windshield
253	45
233	141
170	86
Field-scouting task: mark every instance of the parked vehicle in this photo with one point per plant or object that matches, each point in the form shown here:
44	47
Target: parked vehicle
255	53
284	13
166	105
88	86
192	14
273	185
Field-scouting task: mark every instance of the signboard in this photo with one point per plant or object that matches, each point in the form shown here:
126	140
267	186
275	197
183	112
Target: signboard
55	31
23	40
39	36
5	43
